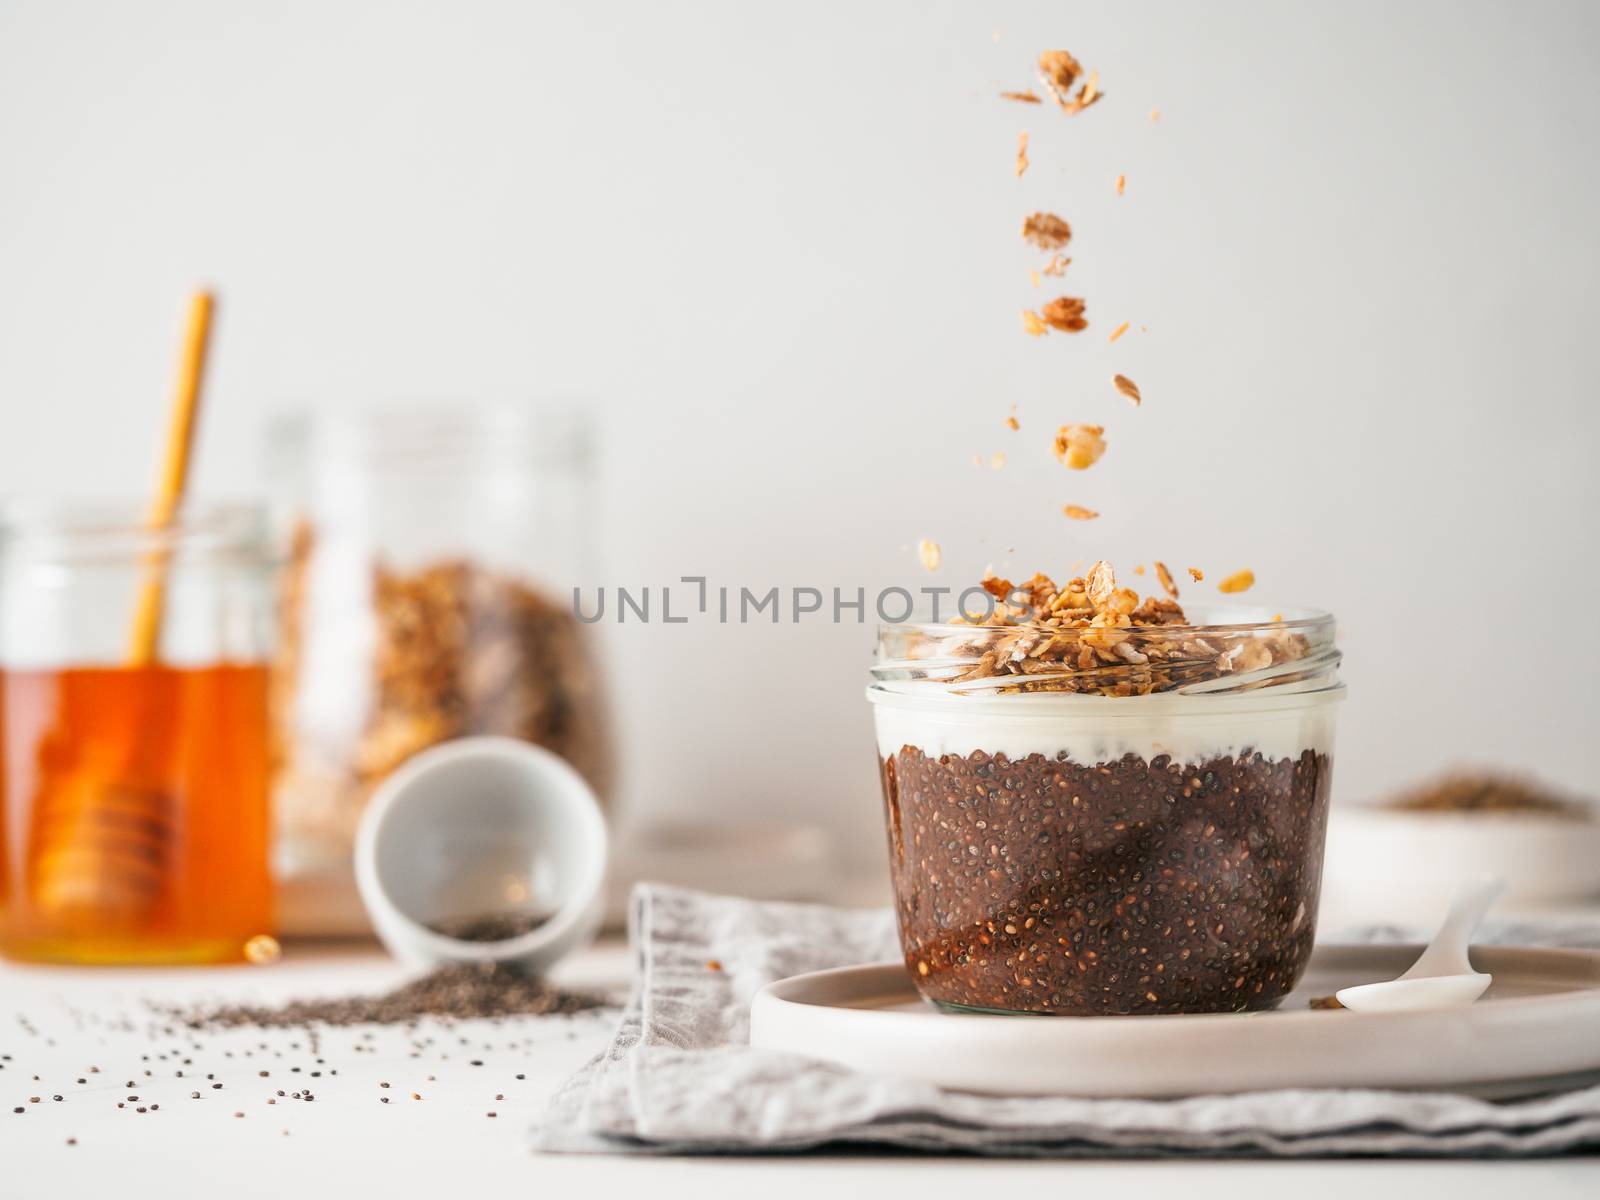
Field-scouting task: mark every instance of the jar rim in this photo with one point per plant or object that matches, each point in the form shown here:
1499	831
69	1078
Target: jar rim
1287	651
1260	618
1054	705
545	431
120	530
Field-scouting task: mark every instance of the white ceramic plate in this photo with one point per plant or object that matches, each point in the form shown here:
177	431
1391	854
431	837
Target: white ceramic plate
1538	1027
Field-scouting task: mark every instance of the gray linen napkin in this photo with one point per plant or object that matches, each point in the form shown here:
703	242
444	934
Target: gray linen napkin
680	1077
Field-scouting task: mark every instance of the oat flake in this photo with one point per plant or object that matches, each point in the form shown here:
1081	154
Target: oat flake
1239	581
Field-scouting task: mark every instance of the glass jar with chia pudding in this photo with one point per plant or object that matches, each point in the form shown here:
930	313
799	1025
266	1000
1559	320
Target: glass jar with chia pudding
1119	810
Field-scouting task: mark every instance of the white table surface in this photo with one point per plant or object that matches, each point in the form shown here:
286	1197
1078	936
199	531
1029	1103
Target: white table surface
58	1022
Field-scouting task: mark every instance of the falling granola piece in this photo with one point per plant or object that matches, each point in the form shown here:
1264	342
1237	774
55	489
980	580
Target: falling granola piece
1122	184
1058	71
1155	115
1033	278
1022	153
997	461
1196	574
1013	424
1031	324
1021	97
930	554
1165	576
1066	314
1078	513
1046	231
1057	265
1128	388
1139	570
1239	581
1080	446
1090	92
1117	332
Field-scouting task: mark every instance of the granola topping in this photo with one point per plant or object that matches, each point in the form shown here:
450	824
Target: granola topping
1091	635
1128	388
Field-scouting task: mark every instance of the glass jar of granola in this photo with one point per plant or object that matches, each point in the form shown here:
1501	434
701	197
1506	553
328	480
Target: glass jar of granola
427	596
1101	806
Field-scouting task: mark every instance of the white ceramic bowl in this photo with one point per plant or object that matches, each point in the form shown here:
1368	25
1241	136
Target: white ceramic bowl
482	826
1384	865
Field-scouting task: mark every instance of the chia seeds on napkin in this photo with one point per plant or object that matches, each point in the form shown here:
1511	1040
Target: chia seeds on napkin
680	1077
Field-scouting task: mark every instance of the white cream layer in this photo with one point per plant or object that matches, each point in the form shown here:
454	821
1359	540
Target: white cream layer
1097	729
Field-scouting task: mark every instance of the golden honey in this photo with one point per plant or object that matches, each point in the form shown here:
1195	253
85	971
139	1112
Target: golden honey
134	823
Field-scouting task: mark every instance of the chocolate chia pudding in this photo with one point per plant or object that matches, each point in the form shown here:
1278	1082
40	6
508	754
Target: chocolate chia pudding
1096	837
1133	886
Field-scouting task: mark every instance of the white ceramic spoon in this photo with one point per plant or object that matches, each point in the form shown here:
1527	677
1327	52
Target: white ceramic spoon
1443	976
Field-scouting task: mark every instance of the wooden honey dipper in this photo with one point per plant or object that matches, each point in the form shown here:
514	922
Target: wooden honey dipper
103	827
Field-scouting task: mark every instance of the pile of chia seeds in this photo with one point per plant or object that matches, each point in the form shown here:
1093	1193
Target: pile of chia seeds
489	927
459	991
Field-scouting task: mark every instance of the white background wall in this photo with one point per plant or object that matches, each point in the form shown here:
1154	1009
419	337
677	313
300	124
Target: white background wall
777	244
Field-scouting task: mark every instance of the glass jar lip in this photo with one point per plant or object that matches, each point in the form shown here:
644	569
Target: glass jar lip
935	700
102	530
1231	649
544	431
1251	618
